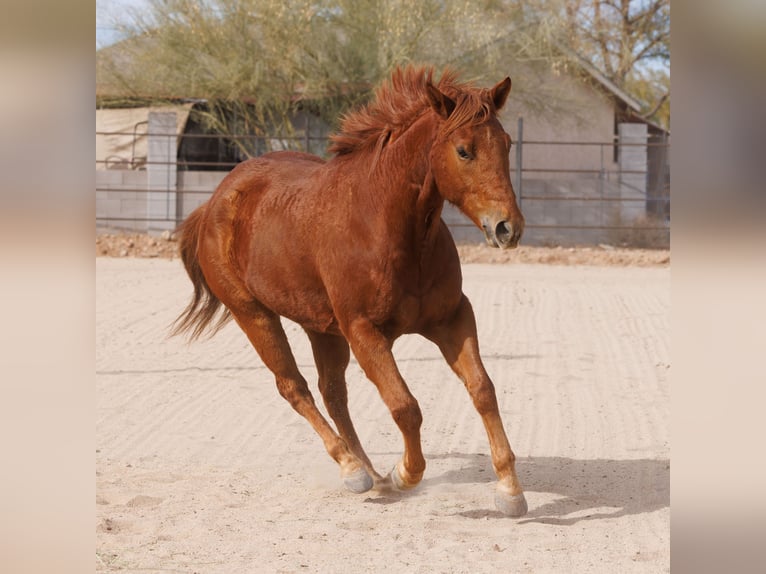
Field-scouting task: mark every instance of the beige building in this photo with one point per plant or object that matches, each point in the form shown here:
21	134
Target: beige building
592	172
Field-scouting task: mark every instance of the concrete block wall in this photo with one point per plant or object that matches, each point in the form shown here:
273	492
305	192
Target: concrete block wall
121	209
121	194
123	198
196	187
114	199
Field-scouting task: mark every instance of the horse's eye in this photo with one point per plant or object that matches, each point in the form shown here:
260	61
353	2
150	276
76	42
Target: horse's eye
461	151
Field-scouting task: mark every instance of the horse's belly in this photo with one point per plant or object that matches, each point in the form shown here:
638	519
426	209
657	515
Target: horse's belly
309	310
289	287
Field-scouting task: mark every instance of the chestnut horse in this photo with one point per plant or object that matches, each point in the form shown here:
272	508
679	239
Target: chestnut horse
355	251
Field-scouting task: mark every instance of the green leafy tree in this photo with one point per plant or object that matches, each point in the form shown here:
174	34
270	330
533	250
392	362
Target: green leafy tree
254	61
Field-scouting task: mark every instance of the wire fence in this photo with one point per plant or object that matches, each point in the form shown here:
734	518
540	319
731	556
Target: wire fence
571	192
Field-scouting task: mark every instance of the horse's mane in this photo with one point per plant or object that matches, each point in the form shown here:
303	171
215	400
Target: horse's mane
401	100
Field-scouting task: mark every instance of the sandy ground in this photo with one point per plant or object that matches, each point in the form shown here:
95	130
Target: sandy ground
202	467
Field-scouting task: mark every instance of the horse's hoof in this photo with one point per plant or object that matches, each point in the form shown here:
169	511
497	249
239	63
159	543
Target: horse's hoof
514	505
358	481
398	482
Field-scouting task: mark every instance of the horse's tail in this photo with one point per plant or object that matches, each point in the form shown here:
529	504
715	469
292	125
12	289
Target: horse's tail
204	306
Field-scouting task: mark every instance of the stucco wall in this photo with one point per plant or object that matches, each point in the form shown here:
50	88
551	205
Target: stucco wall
587	116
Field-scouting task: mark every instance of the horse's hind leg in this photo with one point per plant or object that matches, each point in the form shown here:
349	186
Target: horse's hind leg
266	334
331	354
458	343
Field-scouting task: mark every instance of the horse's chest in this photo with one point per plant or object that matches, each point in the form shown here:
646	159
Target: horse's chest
398	302
390	289
421	300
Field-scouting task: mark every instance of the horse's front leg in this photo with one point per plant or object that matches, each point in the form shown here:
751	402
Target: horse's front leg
373	351
458	342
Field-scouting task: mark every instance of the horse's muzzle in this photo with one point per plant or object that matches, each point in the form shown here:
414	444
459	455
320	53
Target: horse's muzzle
503	234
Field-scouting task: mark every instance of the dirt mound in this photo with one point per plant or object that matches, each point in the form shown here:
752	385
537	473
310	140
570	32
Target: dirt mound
137	245
166	246
603	255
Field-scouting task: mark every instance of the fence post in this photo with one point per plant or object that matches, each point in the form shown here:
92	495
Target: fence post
162	173
519	145
633	140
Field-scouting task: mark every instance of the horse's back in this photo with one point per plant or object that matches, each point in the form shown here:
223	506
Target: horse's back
290	155
256	174
262	183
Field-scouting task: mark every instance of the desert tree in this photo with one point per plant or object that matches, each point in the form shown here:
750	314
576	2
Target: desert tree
628	40
255	61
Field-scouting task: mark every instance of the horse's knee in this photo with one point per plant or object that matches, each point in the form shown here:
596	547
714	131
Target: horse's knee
407	415
294	391
484	398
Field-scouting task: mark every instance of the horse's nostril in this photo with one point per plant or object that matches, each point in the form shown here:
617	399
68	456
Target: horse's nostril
504	233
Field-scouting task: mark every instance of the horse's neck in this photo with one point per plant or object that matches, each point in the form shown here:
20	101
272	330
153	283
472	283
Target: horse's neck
406	190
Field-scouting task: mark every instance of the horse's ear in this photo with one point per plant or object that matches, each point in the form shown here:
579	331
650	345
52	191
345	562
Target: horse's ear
500	93
440	102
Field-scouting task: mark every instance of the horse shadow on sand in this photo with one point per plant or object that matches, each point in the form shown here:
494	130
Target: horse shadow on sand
586	489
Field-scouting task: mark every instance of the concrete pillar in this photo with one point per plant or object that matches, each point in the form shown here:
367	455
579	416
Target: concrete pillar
162	171
632	158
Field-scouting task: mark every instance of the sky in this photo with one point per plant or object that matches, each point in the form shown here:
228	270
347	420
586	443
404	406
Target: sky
107	13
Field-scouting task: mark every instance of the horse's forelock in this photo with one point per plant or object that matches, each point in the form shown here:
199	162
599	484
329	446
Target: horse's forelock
471	109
